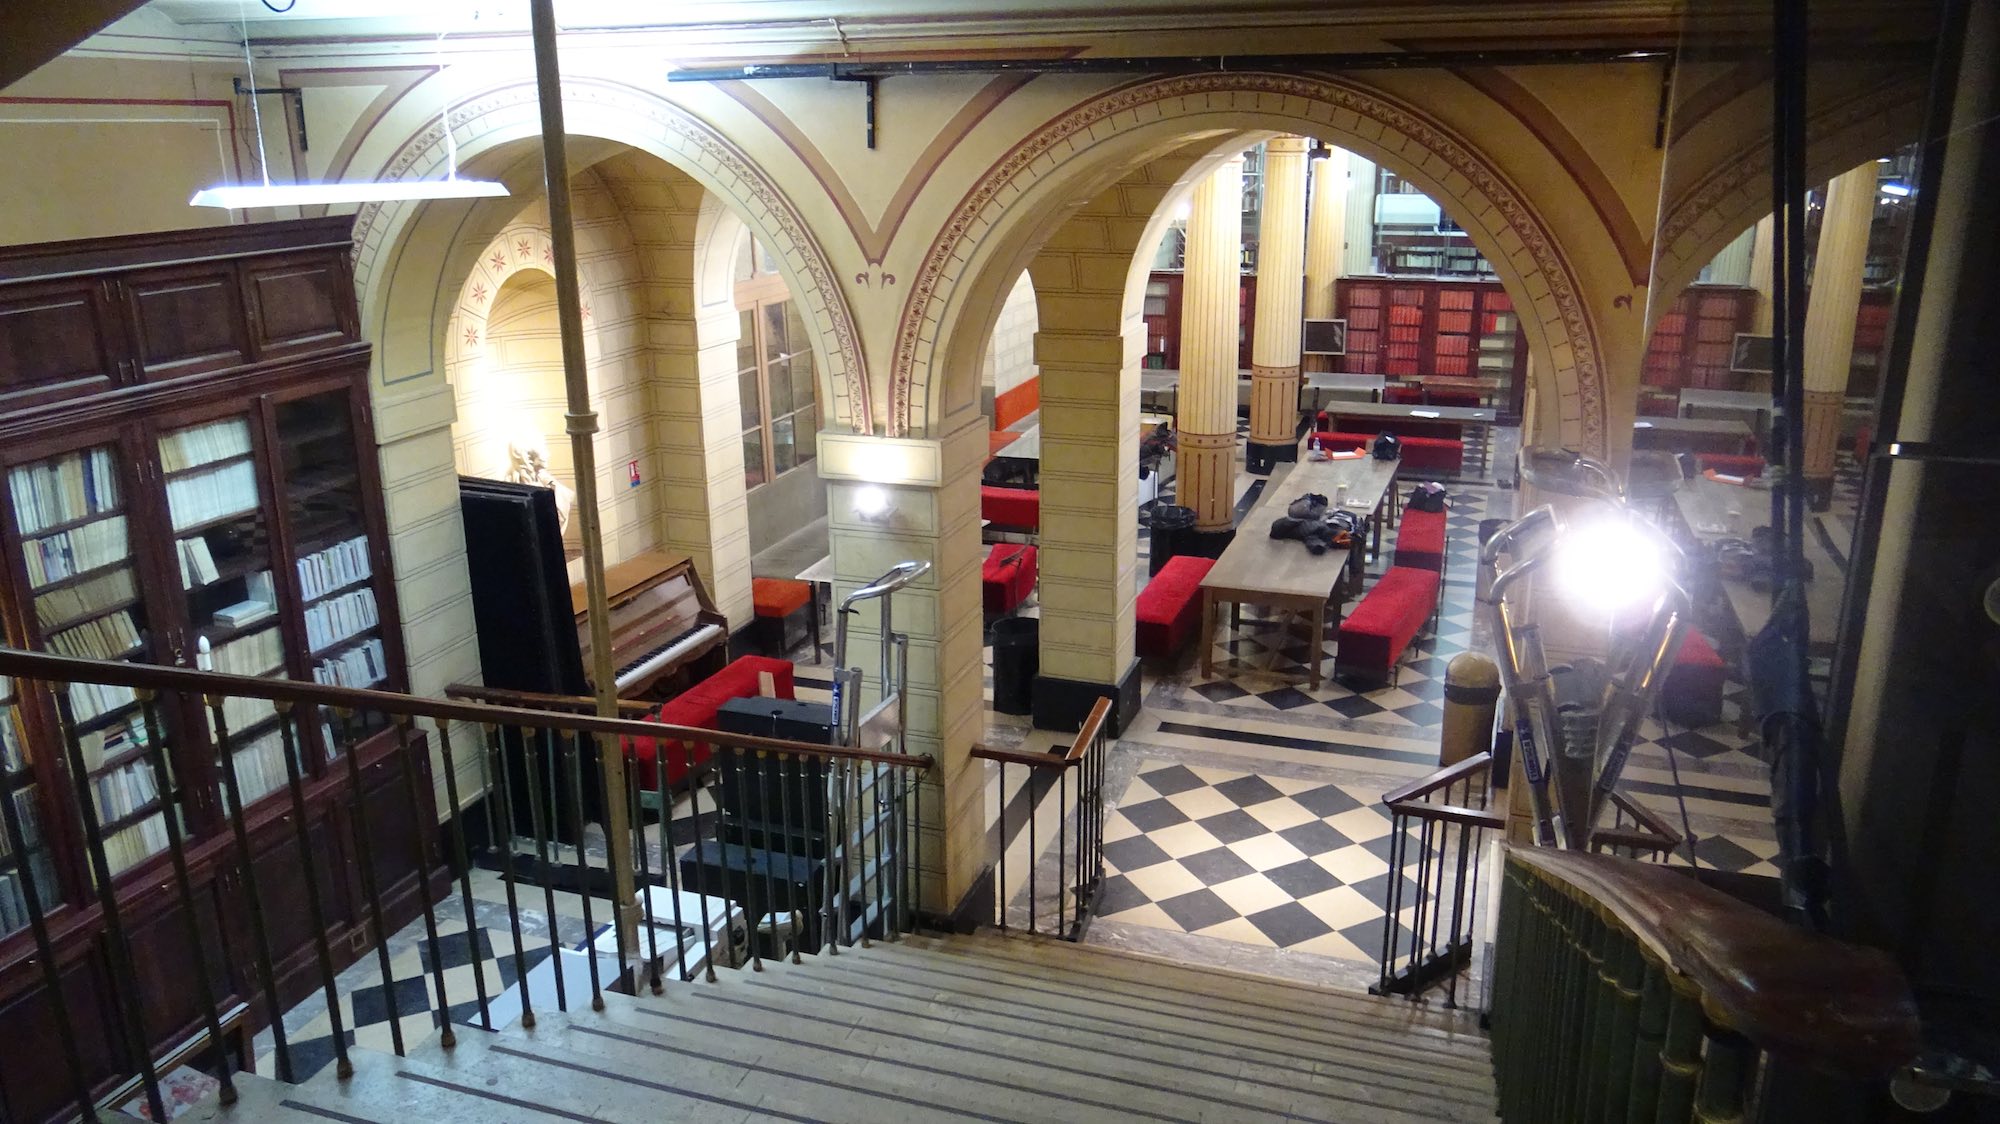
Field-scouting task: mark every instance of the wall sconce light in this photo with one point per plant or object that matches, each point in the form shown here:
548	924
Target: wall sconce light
871	503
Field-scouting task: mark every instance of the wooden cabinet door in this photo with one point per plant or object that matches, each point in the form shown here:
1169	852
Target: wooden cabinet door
59	339
186	319
296	304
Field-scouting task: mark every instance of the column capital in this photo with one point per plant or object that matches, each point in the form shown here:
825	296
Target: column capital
917	462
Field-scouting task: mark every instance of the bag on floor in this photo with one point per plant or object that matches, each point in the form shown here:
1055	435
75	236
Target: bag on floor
1386	447
1426	497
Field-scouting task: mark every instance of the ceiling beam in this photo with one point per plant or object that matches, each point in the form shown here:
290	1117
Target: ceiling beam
32	32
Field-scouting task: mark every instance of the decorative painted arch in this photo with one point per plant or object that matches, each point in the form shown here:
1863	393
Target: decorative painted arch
1115	126
484	125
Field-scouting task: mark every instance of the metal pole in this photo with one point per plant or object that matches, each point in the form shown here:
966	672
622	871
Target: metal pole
582	429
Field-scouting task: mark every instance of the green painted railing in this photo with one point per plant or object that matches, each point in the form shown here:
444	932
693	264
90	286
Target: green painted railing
1628	991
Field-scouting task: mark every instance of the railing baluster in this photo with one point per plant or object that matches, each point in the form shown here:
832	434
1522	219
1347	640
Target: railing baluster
309	874
792	894
423	817
576	743
1392	896
532	763
842	899
260	930
858	838
635	815
170	799
753	907
496	754
1000	891
1033	926
1453	940
694	816
1062	852
364	846
878	821
598	745
671	860
116	945
31	895
464	861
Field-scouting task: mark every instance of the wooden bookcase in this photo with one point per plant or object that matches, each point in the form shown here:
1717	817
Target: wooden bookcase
191	479
1416	328
1692	340
1162	314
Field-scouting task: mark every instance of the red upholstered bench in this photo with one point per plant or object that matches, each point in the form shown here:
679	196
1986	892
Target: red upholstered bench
697	706
1169	608
1730	464
1692	693
1011	507
1420	540
1444	456
1373	636
774	599
1007	577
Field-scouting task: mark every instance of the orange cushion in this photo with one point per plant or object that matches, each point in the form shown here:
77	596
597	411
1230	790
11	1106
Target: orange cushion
777	597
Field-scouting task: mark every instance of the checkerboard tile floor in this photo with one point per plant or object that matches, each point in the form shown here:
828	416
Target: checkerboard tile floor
1272	861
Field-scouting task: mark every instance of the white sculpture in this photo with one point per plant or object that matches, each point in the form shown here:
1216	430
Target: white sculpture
528	463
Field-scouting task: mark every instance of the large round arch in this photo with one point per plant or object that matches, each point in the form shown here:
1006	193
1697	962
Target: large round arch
1026	195
406	254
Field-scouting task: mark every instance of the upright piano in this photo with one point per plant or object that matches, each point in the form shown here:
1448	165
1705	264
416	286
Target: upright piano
665	632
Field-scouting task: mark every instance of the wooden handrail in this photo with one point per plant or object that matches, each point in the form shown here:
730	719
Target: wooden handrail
1795	994
1079	748
1635	840
1443	778
1453	813
41	666
536	700
1652	821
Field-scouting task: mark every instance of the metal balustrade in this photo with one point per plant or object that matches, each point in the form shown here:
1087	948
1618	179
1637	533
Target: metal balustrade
1077	779
1440	823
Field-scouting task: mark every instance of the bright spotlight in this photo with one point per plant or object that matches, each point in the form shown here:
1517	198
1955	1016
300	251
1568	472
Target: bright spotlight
871	502
1609	566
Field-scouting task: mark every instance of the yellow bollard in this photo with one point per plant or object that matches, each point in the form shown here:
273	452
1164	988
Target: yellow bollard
1471	689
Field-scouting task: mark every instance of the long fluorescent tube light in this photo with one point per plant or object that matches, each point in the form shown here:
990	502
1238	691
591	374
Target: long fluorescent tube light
311	194
1899	190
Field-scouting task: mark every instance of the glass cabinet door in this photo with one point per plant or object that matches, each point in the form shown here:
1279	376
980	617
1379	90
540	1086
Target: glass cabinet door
329	533
222	550
17	782
74	524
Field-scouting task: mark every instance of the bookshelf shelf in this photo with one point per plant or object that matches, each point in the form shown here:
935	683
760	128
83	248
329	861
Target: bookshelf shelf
209	467
212	523
367	580
133	818
66	525
98	613
59	584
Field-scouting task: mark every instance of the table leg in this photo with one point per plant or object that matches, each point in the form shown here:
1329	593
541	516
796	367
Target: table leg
1375	532
1207	633
1317	649
1357	563
812	618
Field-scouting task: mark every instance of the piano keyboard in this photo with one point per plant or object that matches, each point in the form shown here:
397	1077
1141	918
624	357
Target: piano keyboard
656	658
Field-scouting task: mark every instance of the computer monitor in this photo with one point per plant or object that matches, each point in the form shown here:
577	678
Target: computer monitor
1750	354
1324	337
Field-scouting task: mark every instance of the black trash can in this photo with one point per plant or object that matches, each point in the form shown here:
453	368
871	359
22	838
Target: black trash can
1017	658
1172	531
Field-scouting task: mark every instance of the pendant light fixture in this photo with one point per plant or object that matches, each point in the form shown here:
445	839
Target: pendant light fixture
268	194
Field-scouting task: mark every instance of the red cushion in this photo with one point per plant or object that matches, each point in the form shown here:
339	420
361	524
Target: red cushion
1863	439
1170	606
1010	507
697	706
1696	651
1373	636
776	597
1420	540
1442	455
1007	577
1403	395
1730	464
1692	692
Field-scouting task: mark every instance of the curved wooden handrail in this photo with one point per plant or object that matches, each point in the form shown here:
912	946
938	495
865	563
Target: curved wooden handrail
1443	778
1795	994
43	667
1079	748
1647	818
1632	840
536	700
1453	813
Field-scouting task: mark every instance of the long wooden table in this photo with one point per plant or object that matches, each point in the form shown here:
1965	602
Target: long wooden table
1702	435
1257	569
1706	506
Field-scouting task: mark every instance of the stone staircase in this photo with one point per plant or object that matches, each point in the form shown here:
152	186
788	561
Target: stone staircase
984	1028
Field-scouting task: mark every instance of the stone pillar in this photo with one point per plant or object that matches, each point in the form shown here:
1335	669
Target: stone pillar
1326	231
1731	266
1211	294
1760	275
1360	253
1274	356
933	516
1831	308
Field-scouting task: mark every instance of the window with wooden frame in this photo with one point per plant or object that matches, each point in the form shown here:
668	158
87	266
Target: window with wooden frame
775	379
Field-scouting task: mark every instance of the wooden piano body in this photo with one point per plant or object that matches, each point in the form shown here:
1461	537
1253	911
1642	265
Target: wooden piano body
665	632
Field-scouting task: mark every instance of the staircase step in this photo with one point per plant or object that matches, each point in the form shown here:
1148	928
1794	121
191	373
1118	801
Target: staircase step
260	1099
963	1029
1136	1003
856	1062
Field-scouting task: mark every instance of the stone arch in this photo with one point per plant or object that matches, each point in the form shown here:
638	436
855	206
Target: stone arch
1031	190
406	253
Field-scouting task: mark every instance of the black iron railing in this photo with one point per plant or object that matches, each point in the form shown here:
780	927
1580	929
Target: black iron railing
1075	871
1438	824
830	858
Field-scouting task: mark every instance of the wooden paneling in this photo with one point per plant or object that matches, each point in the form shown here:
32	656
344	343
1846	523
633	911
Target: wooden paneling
295	304
187	320
57	339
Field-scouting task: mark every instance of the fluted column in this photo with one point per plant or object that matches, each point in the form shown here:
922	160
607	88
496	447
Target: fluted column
1760	275
1831	309
1326	231
1359	256
1731	265
1211	293
1281	267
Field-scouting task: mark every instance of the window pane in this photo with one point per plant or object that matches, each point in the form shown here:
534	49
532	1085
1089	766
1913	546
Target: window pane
781	388
805	395
767	262
777	342
746	390
782	445
753	458
795	328
746	340
808	429
746	268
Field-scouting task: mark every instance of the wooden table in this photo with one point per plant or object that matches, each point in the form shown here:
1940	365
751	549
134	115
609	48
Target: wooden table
1473	415
1026	447
1705	435
1155	383
1705	508
1754	403
1257	569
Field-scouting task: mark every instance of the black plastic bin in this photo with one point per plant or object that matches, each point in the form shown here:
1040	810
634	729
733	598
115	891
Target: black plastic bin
1016	660
1172	530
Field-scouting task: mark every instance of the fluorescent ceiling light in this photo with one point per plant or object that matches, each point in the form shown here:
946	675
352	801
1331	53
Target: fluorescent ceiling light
1896	189
327	194
1425	414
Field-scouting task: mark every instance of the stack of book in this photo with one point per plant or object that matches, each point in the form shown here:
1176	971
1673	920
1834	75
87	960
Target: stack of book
340	618
58	605
363	665
113	634
74	551
202	444
241	713
63	489
136	843
228	490
120	737
341	564
197	563
89	700
124	790
260	765
11	758
256	654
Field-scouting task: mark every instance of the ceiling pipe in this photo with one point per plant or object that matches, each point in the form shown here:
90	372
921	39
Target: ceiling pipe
1179	64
